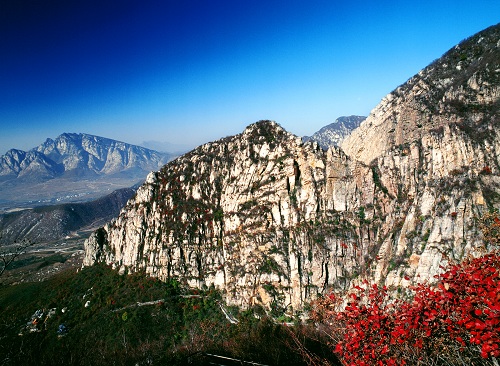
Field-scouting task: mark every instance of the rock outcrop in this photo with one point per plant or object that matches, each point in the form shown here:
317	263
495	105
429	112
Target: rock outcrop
269	219
461	88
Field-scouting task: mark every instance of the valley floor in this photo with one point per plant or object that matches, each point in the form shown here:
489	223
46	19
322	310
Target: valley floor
44	260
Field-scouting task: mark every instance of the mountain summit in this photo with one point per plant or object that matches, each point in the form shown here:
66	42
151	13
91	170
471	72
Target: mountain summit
272	220
461	88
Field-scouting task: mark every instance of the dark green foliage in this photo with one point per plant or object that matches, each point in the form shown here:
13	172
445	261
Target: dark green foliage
269	265
55	258
248	205
125	324
267	131
376	179
24	262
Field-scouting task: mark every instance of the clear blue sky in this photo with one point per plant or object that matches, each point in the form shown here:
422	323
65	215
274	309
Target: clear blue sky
189	72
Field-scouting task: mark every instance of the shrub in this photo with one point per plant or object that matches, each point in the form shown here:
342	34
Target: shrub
455	322
486	170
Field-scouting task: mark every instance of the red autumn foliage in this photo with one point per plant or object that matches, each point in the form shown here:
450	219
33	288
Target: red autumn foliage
459	319
486	170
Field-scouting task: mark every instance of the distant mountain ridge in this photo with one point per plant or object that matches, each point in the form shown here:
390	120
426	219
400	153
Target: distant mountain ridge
335	133
79	154
69	166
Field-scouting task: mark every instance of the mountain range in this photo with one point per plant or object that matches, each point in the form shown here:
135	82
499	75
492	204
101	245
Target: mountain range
271	220
76	159
73	167
396	223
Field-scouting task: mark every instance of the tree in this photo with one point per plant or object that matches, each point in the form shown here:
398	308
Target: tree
10	252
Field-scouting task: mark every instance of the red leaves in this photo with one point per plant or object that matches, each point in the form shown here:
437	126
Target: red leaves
464	307
486	170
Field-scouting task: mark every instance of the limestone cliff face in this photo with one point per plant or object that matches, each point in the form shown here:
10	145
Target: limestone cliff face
270	219
244	213
462	87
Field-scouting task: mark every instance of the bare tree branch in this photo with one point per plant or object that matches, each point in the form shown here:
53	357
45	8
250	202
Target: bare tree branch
9	253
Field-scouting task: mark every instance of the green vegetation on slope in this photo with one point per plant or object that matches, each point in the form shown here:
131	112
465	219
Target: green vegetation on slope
97	317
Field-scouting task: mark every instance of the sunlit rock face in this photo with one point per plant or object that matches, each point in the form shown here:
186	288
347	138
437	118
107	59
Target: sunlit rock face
460	88
271	220
238	213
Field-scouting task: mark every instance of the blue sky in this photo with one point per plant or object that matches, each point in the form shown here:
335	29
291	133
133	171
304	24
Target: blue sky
188	72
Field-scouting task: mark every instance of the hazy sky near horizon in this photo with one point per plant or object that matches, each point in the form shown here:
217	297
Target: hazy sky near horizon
188	72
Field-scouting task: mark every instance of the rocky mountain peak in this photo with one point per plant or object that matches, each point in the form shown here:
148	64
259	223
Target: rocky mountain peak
265	131
271	220
461	88
10	164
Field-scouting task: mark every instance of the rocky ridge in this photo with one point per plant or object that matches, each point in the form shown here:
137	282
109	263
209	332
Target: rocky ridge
461	88
335	133
269	219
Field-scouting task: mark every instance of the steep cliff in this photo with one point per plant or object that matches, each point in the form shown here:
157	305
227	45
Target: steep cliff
270	219
462	88
238	213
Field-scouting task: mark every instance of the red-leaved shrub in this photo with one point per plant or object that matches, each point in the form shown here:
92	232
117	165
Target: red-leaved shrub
456	321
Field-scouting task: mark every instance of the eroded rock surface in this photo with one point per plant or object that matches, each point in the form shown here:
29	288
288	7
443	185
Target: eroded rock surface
270	219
